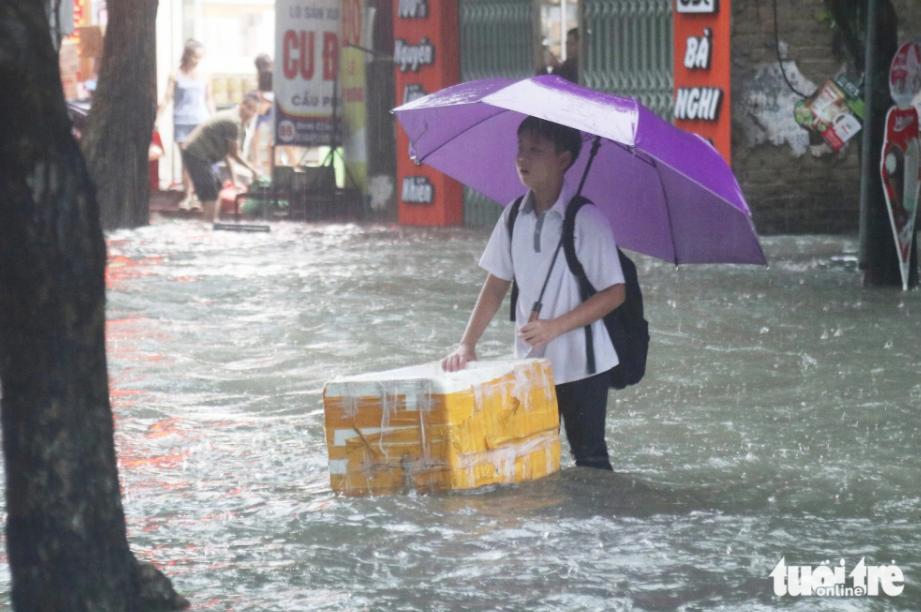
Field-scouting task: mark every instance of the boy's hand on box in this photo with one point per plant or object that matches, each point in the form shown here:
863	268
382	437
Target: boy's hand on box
458	359
538	332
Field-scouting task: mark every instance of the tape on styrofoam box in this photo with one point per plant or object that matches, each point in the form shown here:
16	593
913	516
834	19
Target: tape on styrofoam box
423	429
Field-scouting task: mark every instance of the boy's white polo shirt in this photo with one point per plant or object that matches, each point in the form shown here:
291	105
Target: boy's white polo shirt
527	260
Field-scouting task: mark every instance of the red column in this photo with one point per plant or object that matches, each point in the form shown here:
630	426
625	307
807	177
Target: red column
426	59
702	70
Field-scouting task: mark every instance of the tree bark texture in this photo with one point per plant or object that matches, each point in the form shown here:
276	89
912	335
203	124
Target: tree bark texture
878	258
65	528
120	123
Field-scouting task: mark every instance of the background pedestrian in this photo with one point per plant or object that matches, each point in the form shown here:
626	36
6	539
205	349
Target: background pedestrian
216	139
189	88
569	69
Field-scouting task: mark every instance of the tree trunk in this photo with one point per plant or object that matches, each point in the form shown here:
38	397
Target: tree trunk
65	527
120	123
878	256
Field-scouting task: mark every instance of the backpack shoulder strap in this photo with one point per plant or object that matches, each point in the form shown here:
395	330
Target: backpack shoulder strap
513	216
510	226
569	245
586	290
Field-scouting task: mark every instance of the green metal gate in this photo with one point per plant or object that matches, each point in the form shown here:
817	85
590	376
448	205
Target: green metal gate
627	48
498	39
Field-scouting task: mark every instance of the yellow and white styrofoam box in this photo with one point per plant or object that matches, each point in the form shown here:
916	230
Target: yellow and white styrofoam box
423	429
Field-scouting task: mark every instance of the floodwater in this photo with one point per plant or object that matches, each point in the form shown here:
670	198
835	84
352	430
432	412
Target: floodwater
779	418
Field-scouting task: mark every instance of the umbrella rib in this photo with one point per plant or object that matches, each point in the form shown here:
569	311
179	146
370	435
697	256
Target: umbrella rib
461	133
655	161
719	198
668	213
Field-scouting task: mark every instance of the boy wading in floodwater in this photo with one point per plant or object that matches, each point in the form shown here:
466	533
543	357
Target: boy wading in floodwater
545	151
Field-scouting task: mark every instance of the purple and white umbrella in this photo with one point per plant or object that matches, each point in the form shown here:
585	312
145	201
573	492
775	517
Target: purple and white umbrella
667	193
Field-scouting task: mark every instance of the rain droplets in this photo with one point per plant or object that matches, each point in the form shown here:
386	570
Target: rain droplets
807	362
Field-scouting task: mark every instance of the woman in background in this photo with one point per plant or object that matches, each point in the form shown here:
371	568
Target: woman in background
189	88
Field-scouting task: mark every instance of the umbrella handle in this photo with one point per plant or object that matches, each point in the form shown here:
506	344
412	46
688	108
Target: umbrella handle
596	144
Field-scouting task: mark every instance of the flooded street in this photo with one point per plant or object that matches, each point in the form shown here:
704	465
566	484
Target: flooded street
779	418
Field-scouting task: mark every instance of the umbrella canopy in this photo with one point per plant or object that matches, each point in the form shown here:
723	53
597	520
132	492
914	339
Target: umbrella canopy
667	193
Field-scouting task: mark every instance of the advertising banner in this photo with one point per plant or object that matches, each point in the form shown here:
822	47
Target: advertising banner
899	166
306	67
702	70
352	86
835	111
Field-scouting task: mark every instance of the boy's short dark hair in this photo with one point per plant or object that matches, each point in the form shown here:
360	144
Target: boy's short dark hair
564	138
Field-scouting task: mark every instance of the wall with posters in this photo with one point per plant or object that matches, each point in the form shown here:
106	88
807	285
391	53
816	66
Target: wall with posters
426	59
792	178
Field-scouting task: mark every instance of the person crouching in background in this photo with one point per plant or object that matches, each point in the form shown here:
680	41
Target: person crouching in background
218	138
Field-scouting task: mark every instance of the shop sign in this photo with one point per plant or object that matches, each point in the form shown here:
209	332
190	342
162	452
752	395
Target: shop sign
702	70
426	59
412	92
306	70
417	190
413	57
698	103
413	9
698	49
698	6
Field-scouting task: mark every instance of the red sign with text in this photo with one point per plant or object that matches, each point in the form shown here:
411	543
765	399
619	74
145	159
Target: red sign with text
426	59
702	71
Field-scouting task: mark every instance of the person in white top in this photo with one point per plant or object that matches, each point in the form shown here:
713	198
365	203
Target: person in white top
545	151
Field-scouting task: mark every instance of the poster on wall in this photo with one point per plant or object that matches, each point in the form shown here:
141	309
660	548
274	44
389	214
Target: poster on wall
899	166
835	111
306	70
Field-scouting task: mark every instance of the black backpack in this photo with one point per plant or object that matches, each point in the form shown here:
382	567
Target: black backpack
628	329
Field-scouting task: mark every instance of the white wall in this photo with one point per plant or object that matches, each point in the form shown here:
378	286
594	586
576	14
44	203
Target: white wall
234	32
